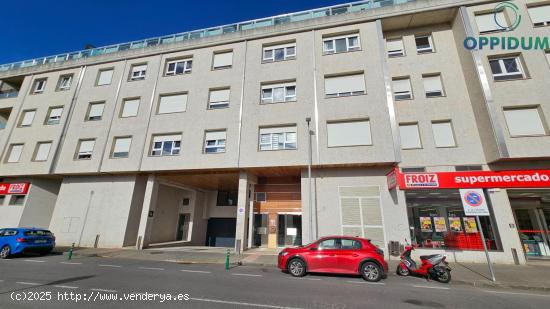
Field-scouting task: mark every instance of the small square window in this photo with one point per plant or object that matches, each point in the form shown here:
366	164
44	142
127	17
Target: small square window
54	115
27	118
130	108
64	82
222	60
42	151
15	153
39	86
85	149
219	98
121	147
95	111
506	68
137	72
395	47
424	44
402	89
214	141
433	86
105	77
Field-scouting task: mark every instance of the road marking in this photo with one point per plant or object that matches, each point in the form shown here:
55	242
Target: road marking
1	280
240	303
312	279
35	261
373	283
28	283
196	271
71	263
107	265
66	287
516	293
247	275
431	287
103	290
151	268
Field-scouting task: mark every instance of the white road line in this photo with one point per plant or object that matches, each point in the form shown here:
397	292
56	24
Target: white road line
28	283
35	261
360	282
515	293
431	287
151	268
66	287
103	290
1	280
312	279
196	271
107	265
240	303
71	263
247	275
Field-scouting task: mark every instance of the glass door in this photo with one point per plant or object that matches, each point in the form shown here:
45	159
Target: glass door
260	230
289	230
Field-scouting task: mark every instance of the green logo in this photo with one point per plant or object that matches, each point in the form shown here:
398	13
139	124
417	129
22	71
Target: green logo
514	15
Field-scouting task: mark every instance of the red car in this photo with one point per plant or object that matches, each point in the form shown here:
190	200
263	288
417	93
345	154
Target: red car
336	254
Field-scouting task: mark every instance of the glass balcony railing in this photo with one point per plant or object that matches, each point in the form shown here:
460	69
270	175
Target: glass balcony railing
209	32
9	94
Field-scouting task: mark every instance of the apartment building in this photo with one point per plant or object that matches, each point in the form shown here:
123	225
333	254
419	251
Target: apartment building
205	137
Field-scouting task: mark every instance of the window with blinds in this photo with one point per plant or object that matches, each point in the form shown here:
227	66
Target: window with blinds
278	138
39	86
173	103
95	111
214	141
395	47
219	98
15	153
486	22
27	118
345	85
137	72
349	133
280	52
433	87
278	93
222	60
402	88
540	15
410	136
104	77
42	151
121	147
54	115
166	145
443	134
130	108
524	121
85	149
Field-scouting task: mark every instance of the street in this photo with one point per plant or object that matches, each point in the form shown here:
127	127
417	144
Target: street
54	282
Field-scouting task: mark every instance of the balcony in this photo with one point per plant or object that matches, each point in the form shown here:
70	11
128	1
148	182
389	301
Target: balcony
8	94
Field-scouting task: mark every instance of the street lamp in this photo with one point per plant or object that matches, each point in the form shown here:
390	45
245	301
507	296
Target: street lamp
312	231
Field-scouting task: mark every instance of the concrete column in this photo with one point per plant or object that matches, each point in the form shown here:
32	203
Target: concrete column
251	217
149	204
243	210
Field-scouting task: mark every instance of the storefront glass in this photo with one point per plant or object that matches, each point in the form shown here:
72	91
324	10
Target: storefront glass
437	220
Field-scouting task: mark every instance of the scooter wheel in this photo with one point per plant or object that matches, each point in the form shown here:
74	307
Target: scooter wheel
444	277
402	272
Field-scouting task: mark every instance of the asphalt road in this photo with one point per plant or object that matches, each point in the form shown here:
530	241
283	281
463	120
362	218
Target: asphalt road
90	282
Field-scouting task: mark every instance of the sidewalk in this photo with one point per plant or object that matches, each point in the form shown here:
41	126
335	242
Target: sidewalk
533	276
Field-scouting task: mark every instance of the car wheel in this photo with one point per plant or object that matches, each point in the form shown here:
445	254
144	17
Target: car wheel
5	252
371	272
297	268
402	271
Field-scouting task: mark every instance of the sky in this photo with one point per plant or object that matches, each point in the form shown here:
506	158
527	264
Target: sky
37	28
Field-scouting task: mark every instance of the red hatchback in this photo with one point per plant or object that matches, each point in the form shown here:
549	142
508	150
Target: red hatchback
336	254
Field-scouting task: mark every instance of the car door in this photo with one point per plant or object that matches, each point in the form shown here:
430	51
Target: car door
349	255
323	257
2	239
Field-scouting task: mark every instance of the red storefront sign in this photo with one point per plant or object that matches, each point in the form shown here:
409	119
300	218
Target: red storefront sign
14	188
474	179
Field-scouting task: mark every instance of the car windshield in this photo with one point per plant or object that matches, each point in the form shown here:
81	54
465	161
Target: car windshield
37	233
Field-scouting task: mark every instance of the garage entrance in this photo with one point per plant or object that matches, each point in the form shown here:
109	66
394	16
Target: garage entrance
221	232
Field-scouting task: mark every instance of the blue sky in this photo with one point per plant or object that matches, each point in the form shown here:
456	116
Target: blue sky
36	28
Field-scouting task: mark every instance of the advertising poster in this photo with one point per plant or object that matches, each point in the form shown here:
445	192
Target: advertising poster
426	224
454	224
470	224
440	224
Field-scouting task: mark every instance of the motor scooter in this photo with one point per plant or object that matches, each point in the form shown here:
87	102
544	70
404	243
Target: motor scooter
433	266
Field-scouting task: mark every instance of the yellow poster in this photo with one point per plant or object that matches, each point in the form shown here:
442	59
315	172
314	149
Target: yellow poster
470	225
426	224
440	224
454	224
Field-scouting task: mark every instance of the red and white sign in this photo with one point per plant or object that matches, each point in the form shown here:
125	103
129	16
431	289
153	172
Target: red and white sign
474	179
392	179
14	188
473	201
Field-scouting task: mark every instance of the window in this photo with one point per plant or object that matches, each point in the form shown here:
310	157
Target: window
341	44
104	77
85	149
27	118
395	47
443	134
349	244
281	52
218	98
214	141
2	202
525	121
172	103
42	151
402	89
547	54
465	168
95	111
15	153
177	67
130	108
486	22
65	82
506	68
413	169
222	60
328	244
261	196
540	15
121	147
166	145
277	93
349	133
227	198
277	138
39	86
410	136
54	115
344	85
138	72
424	44
433	86
17	200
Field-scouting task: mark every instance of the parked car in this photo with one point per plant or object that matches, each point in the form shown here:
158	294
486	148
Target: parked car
23	240
336	254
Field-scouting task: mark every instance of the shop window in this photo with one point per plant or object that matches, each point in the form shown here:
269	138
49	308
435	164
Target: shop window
2	200
437	220
465	168
17	200
227	198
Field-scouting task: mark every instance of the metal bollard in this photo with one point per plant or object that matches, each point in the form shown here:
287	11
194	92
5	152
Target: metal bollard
70	255
227	260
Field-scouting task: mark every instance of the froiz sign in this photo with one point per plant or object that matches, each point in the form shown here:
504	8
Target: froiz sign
14	188
424	180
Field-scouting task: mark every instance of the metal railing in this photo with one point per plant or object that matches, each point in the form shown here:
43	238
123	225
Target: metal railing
208	32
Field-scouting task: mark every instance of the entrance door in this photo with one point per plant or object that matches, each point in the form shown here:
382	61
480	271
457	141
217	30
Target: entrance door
183	224
289	230
532	231
221	232
260	230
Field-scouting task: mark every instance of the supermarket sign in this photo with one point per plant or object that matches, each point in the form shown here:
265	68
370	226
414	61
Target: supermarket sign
14	188
473	179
